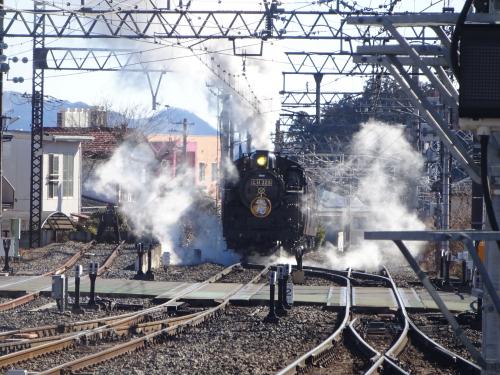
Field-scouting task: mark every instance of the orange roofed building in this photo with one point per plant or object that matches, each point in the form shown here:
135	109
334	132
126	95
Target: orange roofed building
203	154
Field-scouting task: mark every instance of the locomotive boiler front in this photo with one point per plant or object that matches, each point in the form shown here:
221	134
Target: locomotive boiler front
267	206
261	189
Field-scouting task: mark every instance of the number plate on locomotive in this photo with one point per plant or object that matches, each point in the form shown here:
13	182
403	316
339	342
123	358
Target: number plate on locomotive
261	182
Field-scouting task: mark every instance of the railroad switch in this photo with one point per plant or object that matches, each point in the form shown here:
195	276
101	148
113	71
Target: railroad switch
287	287
381	328
149	274
139	247
6	248
77	309
59	290
280	307
375	328
93	267
271	317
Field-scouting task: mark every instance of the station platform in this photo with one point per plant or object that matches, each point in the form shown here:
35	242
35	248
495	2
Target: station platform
331	297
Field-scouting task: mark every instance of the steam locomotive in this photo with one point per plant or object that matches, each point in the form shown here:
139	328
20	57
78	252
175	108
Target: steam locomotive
271	204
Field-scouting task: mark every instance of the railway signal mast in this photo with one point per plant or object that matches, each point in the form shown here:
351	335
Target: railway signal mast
476	61
474	55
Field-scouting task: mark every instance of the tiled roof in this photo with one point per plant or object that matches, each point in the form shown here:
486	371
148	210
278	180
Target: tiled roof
105	141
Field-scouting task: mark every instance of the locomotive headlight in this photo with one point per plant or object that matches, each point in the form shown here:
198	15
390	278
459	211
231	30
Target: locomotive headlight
262	161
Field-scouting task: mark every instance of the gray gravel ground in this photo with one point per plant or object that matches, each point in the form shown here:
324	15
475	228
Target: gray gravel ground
123	265
379	342
403	276
236	343
345	361
316	280
241	275
25	317
413	360
443	334
44	259
123	268
52	360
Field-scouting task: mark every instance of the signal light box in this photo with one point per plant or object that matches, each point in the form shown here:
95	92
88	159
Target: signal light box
479	72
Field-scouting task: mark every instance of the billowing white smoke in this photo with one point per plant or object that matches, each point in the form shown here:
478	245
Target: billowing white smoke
191	65
158	202
392	170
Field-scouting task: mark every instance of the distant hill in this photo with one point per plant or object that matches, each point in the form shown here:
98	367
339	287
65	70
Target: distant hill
166	121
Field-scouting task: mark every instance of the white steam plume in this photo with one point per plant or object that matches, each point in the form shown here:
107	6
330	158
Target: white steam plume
386	194
159	203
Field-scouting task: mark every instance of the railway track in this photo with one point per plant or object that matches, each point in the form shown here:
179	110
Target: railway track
24	299
353	345
324	352
118	328
381	352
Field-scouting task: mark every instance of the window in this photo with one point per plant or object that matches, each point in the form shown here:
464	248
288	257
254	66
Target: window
215	172
202	171
68	169
53	177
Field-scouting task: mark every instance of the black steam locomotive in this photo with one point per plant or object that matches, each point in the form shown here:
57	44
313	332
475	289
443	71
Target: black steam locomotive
270	205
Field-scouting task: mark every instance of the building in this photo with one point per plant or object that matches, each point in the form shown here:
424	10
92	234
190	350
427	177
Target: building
97	147
95	117
61	188
202	154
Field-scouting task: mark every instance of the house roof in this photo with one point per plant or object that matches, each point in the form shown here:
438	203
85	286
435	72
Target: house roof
101	142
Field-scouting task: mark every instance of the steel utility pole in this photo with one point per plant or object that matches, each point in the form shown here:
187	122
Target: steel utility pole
36	181
2	121
318	77
184	141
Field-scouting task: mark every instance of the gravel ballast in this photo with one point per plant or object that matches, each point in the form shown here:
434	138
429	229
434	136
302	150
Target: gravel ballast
236	343
45	259
124	268
443	334
41	312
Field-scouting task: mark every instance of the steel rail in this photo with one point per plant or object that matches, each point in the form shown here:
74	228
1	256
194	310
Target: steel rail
72	261
24	299
145	328
98	332
325	349
400	344
149	339
385	358
51	330
110	259
388	359
55	332
447	355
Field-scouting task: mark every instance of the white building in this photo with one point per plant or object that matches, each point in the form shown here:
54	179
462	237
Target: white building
62	161
82	118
